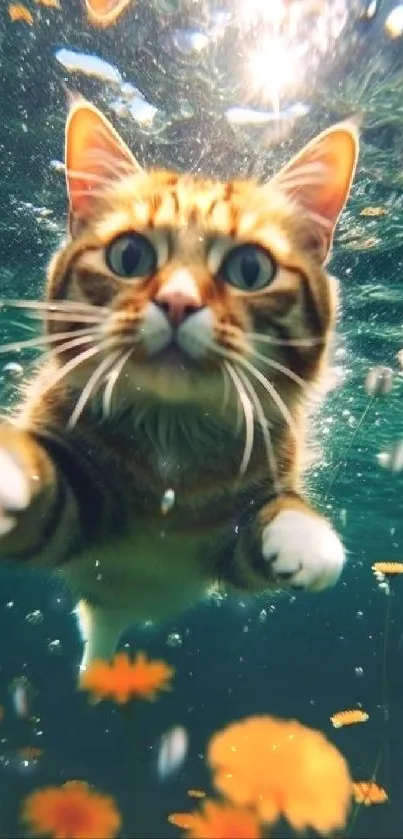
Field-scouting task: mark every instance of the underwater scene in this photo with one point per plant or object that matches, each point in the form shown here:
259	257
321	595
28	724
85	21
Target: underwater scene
201	238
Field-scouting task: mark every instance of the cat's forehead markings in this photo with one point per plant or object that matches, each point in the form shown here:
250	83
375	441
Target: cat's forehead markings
190	202
265	229
166	212
113	224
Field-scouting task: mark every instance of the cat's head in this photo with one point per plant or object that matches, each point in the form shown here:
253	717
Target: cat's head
183	289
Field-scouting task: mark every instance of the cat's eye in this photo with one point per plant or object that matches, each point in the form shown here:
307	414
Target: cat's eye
248	267
131	255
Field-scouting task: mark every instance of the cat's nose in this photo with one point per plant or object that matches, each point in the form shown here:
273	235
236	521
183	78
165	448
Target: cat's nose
179	297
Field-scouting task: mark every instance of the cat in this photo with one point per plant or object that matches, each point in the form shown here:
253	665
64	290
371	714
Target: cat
158	449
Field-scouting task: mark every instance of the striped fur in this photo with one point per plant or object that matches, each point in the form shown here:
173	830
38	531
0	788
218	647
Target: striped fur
99	437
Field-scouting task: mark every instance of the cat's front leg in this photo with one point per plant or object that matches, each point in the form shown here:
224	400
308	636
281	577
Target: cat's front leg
38	512
288	545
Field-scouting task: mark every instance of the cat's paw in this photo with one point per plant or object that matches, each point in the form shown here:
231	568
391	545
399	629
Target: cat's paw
302	551
15	491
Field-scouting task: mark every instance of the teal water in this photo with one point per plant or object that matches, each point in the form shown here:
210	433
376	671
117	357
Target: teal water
293	656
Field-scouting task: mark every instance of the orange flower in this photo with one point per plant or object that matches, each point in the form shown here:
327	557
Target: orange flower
387	569
17	11
72	811
280	767
368	792
183	820
122	680
224	821
350	717
105	12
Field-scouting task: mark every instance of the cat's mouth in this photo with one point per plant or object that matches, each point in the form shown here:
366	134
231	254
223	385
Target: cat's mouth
173	358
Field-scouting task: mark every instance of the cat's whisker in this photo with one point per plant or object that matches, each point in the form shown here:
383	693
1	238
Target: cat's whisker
226	389
66	317
101	369
63	372
264	425
44	340
286	371
286	342
112	380
266	384
50	305
51	352
21	325
248	415
272	391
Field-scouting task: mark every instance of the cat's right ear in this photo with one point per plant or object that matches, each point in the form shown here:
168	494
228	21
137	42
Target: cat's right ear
95	155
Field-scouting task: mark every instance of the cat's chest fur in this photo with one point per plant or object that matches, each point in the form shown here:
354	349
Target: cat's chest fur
150	572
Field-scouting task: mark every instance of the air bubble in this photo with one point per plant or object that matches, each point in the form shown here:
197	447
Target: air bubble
392	459
12	370
34	618
174	640
394	22
55	647
379	381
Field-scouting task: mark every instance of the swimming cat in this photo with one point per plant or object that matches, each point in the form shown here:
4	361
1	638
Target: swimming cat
188	325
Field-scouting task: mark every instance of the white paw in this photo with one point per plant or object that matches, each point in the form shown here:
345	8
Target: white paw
15	492
303	551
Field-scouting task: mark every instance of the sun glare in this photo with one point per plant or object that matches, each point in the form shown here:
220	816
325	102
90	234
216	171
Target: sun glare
272	70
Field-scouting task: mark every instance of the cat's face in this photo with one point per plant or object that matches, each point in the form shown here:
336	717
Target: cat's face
197	286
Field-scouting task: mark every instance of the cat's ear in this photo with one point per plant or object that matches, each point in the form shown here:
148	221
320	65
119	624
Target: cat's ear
319	178
95	155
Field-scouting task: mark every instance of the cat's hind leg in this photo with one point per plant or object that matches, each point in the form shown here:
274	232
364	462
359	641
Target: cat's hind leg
100	631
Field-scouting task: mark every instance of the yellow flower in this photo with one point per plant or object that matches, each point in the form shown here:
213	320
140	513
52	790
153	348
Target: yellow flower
72	811
122	680
282	768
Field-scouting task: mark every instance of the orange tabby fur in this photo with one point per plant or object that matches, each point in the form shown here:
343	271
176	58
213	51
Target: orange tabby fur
81	487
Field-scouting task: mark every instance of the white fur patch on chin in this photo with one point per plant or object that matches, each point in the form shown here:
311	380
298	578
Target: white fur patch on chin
303	551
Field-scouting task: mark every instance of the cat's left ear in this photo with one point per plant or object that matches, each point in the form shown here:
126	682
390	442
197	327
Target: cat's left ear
319	178
95	155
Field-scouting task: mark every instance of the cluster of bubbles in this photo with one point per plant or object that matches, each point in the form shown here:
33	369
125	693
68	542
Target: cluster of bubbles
379	382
